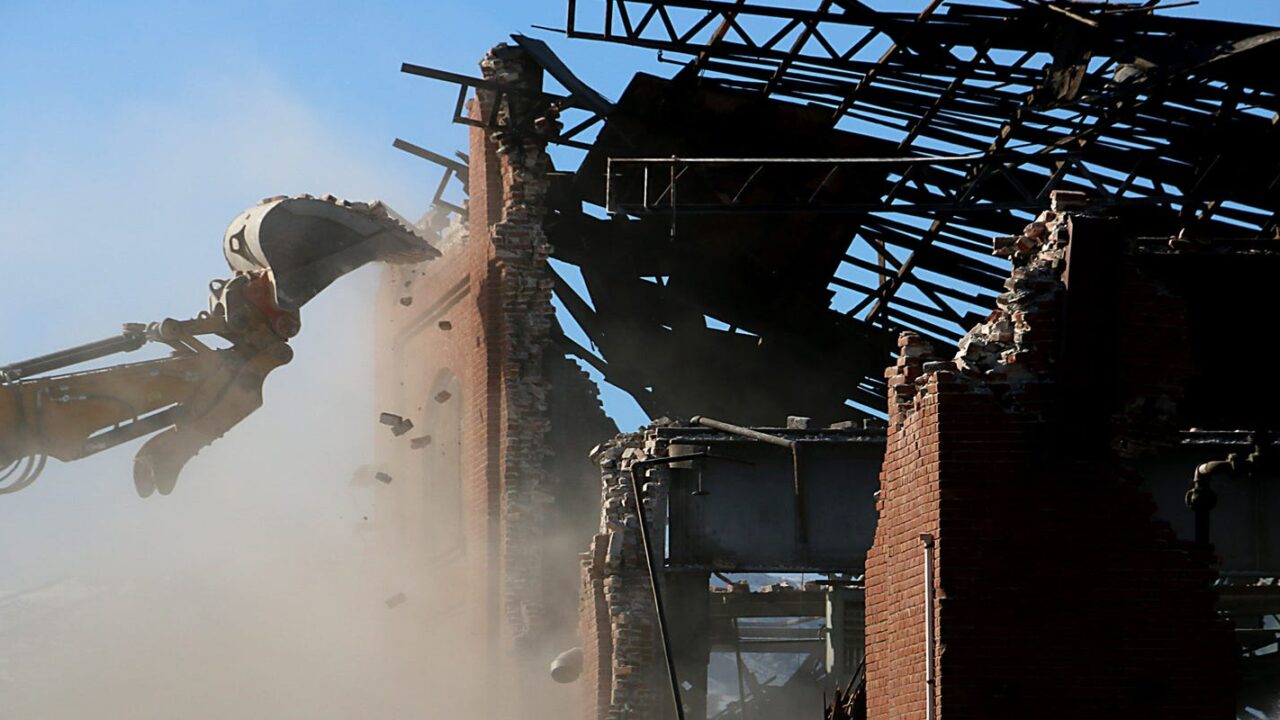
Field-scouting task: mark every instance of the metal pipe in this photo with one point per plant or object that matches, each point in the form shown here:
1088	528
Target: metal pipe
653	575
1202	499
797	489
743	431
930	687
737	654
904	160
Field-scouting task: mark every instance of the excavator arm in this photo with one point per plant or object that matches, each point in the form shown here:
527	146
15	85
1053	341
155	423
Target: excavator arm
282	253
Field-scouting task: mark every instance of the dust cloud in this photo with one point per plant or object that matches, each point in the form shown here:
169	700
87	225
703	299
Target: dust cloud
258	589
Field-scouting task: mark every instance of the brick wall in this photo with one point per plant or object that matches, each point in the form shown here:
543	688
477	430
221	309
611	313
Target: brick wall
575	483
482	313
1057	593
595	633
623	667
519	329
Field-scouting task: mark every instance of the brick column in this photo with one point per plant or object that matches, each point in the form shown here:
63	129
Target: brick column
623	671
497	518
519	327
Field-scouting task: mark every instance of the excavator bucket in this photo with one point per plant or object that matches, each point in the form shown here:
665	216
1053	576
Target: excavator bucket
307	243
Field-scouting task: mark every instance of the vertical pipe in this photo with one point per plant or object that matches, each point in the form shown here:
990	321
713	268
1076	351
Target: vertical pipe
929	684
644	201
1201	498
802	514
1202	527
673	200
737	654
659	610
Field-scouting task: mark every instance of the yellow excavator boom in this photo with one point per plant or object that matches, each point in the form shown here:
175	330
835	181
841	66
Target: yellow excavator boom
282	253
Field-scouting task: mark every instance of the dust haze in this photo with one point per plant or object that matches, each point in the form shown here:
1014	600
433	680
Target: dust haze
259	588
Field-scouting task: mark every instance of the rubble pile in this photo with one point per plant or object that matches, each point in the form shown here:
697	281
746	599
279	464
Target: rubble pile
1012	352
1013	345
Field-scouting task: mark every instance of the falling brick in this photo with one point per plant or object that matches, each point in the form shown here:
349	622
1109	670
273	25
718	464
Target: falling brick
399	425
443	396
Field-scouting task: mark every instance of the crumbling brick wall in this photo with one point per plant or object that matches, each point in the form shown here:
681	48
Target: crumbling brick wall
622	656
1057	593
522	323
483	314
575	483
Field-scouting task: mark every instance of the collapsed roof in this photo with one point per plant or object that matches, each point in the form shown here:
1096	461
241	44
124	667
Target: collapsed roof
753	231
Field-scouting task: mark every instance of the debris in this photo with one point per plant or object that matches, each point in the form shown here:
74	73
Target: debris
1060	200
796	422
383	478
567	666
419	442
396	600
443	396
399	425
406	300
444	325
362	475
